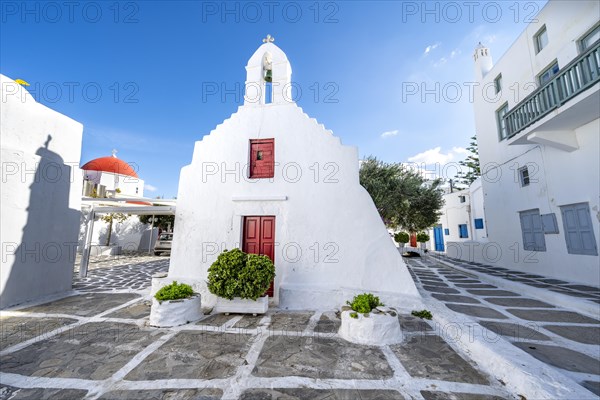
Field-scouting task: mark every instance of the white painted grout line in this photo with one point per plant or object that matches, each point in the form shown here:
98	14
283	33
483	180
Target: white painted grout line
400	373
565	301
312	323
31	382
46	335
39	338
522	373
591	350
107	385
231	322
237	382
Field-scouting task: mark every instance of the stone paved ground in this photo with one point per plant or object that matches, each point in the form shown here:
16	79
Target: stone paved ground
96	345
132	272
566	340
585	292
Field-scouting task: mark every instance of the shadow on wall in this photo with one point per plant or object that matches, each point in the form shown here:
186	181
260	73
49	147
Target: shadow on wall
44	259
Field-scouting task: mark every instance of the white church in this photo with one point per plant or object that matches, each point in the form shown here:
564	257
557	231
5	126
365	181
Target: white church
272	180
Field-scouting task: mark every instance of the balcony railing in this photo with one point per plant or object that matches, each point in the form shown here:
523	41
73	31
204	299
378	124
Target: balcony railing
580	74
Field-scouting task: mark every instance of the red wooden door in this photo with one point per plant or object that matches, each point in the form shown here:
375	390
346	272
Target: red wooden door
413	239
259	238
262	158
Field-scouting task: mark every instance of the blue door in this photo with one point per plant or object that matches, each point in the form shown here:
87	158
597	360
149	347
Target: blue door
438	235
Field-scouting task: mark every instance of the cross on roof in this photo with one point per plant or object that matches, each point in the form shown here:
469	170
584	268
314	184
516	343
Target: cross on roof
114	153
269	39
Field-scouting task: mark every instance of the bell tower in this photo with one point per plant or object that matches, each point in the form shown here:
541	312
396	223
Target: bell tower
483	61
268	76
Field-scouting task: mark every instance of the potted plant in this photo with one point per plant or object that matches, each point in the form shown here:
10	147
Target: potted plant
422	238
401	238
365	320
240	281
175	304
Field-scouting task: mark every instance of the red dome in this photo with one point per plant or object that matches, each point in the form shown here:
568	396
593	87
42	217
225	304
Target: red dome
143	203
110	164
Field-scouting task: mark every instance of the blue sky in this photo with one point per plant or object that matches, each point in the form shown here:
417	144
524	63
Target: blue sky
136	73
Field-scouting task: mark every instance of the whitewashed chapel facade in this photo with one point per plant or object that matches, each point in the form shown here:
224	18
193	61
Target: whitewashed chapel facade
537	119
272	180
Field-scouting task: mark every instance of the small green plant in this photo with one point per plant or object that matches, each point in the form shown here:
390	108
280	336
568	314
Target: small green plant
422	237
353	315
402	237
237	274
364	303
174	291
423	314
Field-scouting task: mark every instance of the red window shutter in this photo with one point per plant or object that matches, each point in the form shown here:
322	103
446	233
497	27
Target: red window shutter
262	158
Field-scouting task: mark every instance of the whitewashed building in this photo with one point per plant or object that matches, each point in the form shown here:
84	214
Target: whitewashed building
462	220
537	113
274	181
40	198
112	177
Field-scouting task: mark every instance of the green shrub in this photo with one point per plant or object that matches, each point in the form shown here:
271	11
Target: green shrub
364	303
402	237
424	314
174	291
237	274
353	315
422	237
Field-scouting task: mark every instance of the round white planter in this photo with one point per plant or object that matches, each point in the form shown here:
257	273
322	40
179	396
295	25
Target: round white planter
175	312
376	329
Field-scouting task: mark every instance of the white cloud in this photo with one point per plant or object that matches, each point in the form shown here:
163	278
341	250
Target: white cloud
440	62
436	156
455	53
434	163
150	188
388	134
431	47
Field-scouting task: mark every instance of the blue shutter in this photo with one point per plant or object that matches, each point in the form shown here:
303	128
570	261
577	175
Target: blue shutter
532	230
478	223
579	231
462	231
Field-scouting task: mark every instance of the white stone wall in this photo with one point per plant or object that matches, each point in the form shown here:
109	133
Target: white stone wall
129	185
40	198
559	177
127	234
330	240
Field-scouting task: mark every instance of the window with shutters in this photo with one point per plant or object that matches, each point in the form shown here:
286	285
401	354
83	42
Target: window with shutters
463	231
578	228
262	158
532	230
478	223
524	176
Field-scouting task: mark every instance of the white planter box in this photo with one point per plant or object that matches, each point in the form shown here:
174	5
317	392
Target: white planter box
175	312
242	306
376	329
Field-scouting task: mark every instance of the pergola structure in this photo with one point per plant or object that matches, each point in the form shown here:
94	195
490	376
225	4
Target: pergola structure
91	206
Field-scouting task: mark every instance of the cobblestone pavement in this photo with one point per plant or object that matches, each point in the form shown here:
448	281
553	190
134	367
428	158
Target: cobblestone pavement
97	346
566	340
585	292
126	272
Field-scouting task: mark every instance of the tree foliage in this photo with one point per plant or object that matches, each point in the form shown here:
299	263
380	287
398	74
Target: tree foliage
403	197
162	221
471	164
